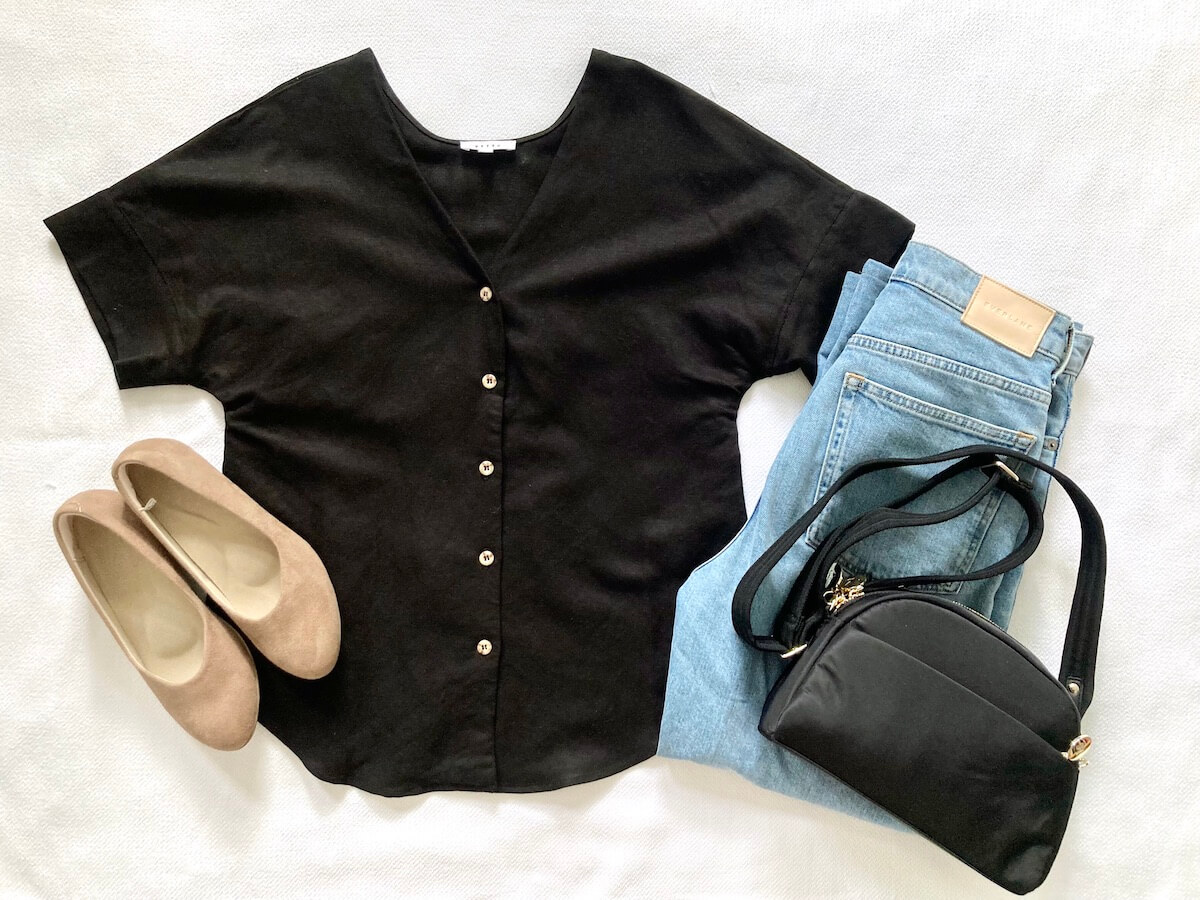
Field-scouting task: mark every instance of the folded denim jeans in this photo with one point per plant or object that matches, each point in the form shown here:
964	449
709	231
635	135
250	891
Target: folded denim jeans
900	373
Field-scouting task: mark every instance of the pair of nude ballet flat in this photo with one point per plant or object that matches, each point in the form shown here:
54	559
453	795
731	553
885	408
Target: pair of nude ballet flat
175	521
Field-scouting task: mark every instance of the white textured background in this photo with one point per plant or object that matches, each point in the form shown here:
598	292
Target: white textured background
1056	150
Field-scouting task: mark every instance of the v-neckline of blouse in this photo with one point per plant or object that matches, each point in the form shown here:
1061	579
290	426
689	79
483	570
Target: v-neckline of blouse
567	120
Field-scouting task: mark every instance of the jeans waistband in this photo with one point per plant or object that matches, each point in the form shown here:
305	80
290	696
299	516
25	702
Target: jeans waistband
948	280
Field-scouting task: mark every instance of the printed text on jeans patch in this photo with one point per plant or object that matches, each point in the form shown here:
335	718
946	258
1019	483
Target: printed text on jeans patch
1009	318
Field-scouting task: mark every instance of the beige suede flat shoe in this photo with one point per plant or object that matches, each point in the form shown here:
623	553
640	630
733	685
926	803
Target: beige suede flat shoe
264	575
197	665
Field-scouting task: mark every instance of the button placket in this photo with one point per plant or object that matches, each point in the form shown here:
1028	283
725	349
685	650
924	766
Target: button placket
486	467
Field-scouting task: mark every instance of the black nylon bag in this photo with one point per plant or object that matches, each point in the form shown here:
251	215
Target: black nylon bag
924	706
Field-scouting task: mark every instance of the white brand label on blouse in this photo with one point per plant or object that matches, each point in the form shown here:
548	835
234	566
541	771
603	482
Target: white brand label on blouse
487	146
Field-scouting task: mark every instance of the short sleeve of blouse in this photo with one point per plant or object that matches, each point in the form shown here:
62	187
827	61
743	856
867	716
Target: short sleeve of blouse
165	256
778	232
858	228
146	325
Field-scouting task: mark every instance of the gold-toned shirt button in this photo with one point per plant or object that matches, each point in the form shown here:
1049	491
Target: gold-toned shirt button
485	293
486	558
486	468
484	647
489	381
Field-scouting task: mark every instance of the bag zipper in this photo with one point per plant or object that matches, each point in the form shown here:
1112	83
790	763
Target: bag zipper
847	589
852	587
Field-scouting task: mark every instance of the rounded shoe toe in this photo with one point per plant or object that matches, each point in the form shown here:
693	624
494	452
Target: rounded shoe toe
219	707
309	644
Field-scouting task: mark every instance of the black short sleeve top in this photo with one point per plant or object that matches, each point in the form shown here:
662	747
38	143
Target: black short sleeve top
496	389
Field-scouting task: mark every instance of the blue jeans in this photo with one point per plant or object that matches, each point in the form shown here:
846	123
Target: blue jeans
898	374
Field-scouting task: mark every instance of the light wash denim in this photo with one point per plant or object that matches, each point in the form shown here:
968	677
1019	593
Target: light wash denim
898	374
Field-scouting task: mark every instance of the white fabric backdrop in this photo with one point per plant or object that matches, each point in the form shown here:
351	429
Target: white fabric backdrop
1056	150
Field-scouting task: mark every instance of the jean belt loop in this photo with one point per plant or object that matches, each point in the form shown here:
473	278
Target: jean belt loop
1066	354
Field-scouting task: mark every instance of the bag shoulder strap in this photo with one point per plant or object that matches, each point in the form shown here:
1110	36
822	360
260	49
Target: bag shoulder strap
746	593
1077	670
799	616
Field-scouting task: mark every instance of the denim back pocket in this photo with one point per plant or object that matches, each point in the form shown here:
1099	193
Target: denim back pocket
875	420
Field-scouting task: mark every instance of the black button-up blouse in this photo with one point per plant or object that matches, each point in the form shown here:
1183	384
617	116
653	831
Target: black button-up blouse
495	387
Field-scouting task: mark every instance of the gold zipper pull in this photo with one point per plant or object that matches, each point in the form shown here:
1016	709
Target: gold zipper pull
848	589
1075	752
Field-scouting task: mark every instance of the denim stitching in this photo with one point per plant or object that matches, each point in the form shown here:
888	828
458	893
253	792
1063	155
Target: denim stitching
934	294
981	518
855	384
971	552
942	363
933	413
984	514
832	459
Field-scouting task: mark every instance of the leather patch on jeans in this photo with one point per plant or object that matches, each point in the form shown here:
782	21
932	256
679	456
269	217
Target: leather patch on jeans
1008	318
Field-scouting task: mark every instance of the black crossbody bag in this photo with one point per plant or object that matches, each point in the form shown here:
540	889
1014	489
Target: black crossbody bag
923	706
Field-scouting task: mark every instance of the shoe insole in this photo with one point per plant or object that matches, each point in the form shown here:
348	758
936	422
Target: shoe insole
233	558
156	622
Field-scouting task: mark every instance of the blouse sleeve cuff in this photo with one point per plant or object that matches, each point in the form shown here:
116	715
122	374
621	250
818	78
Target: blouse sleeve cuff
863	228
125	293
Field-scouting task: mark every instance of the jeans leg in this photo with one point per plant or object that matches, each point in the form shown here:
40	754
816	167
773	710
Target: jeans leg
1056	422
716	685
